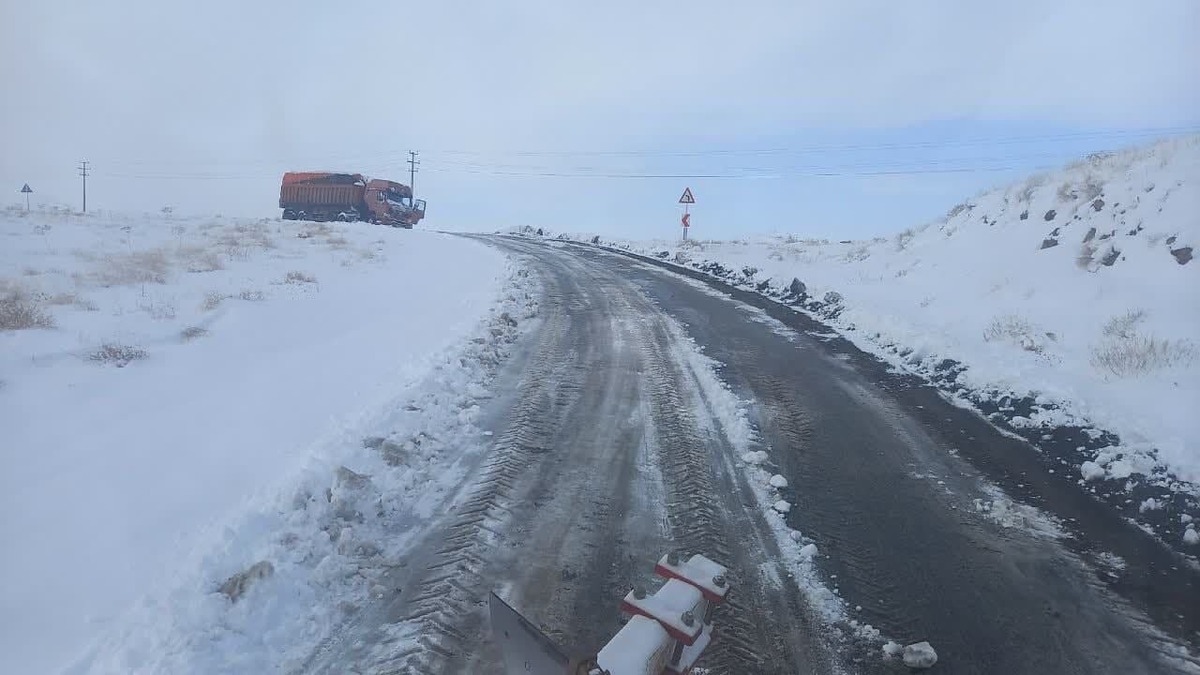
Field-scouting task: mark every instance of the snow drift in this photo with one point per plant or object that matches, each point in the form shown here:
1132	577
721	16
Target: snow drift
168	386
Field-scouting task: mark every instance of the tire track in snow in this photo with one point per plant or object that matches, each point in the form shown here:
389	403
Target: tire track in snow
443	623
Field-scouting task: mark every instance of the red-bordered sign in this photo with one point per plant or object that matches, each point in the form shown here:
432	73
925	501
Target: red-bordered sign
687	197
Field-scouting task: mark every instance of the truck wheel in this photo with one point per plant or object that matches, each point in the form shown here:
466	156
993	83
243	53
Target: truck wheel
343	218
289	214
301	215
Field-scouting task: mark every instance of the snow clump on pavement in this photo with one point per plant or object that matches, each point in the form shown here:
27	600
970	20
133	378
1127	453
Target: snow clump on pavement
920	655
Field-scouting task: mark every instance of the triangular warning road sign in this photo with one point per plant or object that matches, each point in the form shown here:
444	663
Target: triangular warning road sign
687	197
27	189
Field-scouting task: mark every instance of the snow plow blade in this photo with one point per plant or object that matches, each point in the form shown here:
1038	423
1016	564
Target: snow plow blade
525	648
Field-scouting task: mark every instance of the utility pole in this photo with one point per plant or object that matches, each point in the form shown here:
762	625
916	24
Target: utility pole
83	171
413	163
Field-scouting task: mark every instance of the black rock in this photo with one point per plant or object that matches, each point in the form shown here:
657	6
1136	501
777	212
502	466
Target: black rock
1049	243
1050	215
1182	255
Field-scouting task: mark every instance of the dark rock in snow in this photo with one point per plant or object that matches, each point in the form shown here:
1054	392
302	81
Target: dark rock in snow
1050	215
833	298
1182	255
663	255
797	288
540	233
1108	235
1025	214
1049	243
1110	258
763	286
596	239
506	319
1098	204
1170	240
1091	234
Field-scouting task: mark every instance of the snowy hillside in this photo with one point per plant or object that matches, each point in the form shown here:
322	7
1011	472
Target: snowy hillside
170	387
1077	288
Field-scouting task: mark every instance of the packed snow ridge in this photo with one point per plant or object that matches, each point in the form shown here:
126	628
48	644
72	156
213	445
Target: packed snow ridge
207	427
1068	300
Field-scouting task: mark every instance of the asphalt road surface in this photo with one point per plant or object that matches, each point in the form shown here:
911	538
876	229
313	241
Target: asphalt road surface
609	449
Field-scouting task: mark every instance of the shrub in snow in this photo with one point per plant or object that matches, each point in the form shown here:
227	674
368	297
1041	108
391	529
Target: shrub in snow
117	354
1124	326
1141	354
236	586
296	277
192	332
252	296
920	655
211	301
833	298
1013	329
20	310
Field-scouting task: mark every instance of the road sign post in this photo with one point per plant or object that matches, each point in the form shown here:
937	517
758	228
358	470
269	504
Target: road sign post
27	191
687	200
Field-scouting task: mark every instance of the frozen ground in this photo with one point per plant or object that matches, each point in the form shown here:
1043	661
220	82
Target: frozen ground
1070	299
184	398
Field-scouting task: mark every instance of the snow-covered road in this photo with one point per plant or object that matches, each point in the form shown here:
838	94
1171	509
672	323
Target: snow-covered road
647	412
281	494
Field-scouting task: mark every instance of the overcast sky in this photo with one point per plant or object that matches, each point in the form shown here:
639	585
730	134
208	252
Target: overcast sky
833	118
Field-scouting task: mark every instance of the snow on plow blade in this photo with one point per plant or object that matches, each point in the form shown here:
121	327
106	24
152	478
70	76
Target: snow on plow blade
526	649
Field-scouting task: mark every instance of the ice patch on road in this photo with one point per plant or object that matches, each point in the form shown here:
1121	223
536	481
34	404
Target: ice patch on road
1001	509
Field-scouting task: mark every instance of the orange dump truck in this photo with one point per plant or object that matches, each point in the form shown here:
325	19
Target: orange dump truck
347	197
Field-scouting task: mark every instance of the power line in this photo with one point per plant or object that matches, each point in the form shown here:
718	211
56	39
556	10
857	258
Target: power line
393	155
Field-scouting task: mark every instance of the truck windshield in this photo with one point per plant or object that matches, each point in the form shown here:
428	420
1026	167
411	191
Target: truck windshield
394	196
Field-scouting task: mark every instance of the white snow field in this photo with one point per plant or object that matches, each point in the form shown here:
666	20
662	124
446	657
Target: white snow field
183	400
1076	286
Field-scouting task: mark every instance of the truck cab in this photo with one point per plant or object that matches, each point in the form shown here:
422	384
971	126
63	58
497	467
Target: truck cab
392	203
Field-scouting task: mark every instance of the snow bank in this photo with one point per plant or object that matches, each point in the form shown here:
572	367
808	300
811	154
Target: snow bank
198	373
